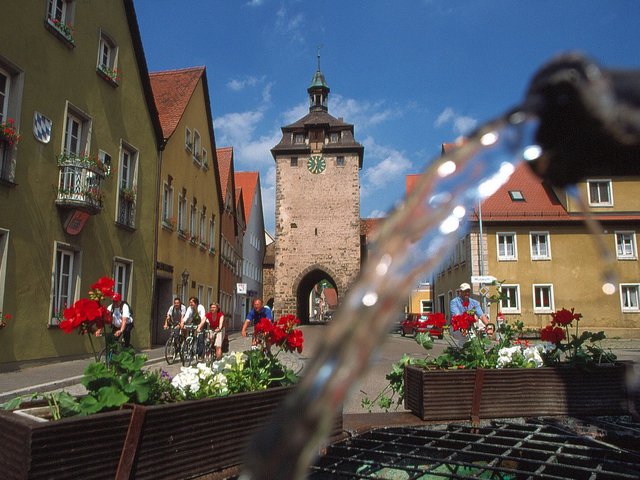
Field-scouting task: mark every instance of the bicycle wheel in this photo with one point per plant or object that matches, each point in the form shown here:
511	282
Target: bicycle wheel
171	349
188	351
208	351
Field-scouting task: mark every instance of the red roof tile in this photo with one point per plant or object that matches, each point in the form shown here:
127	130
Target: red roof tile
225	163
248	182
172	90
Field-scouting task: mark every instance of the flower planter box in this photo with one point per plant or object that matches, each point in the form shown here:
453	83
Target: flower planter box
516	392
177	440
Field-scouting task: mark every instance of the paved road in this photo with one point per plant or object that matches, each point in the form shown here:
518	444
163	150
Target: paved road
67	374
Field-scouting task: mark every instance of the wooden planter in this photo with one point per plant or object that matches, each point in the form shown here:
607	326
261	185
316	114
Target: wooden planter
516	392
177	440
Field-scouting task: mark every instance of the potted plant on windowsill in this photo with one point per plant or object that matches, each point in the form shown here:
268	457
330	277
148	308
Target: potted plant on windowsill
128	194
566	373
142	416
8	132
112	75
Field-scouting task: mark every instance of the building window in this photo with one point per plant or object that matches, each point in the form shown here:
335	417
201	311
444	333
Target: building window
197	147
203	228
66	262
108	58
76	133
182	212
334	137
540	246
340	161
7	148
543	298
167	205
516	195
122	277
212	236
600	193
629	297
626	245
128	190
205	159
298	138
441	305
510	303
507	247
426	306
294	161
188	141
192	222
60	15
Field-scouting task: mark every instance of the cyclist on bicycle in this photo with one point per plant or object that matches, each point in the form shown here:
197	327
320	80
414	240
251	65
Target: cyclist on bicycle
216	321
175	313
196	316
122	321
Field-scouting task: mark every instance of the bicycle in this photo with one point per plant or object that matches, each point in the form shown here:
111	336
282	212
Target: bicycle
173	346
114	346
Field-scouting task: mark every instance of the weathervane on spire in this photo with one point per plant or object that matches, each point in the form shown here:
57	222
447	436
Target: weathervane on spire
319	47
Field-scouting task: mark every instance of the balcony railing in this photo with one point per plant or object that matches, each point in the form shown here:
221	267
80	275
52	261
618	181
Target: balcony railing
79	184
127	211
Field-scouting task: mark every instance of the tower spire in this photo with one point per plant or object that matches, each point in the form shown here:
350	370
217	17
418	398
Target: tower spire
318	90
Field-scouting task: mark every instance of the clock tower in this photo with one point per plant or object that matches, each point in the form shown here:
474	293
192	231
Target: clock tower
317	207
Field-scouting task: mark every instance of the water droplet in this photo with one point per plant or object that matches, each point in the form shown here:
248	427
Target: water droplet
609	288
449	224
446	169
532	152
459	211
370	299
383	265
489	138
439	199
490	186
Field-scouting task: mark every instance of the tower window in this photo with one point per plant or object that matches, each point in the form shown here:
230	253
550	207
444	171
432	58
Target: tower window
298	138
340	161
294	161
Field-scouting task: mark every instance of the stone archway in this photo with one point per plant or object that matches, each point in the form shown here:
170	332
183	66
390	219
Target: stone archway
303	285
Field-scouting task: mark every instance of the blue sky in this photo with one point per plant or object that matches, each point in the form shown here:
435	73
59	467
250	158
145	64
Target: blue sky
409	74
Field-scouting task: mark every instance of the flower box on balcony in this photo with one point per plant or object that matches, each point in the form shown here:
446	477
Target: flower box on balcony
469	394
177	440
79	184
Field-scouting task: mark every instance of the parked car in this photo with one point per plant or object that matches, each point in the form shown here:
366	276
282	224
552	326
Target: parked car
422	323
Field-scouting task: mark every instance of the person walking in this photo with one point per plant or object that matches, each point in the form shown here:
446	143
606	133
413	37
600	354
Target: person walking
122	320
257	313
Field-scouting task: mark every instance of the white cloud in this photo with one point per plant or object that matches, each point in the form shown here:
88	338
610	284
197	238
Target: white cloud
362	114
236	128
240	84
461	124
377	214
292	26
255	3
393	165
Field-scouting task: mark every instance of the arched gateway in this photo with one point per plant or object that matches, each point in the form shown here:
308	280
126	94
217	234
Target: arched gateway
318	164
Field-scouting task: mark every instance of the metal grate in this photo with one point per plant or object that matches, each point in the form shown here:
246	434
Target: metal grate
528	450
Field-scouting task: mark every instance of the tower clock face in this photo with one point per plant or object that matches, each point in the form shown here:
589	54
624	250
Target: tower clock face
316	164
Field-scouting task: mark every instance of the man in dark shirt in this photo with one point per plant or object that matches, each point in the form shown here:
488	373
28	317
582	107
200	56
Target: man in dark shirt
257	313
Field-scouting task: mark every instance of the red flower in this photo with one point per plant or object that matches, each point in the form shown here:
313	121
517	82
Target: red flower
565	317
105	286
437	319
82	312
7	316
552	334
295	340
464	321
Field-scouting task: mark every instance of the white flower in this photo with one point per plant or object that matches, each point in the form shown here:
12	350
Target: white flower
187	379
532	355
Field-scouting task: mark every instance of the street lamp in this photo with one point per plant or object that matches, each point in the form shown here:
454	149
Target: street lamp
185	279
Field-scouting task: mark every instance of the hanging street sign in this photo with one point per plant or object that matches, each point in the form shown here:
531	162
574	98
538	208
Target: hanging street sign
482	279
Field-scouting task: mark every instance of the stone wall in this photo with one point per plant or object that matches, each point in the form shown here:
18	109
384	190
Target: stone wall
317	226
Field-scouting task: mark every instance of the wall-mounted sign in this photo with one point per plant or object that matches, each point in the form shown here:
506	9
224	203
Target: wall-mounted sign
75	221
241	288
42	127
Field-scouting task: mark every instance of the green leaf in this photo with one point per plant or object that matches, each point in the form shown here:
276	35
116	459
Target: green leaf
11	404
111	397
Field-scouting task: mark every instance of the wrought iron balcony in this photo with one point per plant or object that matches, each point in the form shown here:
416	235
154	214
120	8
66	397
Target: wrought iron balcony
79	184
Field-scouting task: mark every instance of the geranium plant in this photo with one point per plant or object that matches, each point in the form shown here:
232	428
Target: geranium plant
471	348
9	132
64	28
570	345
4	319
89	315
